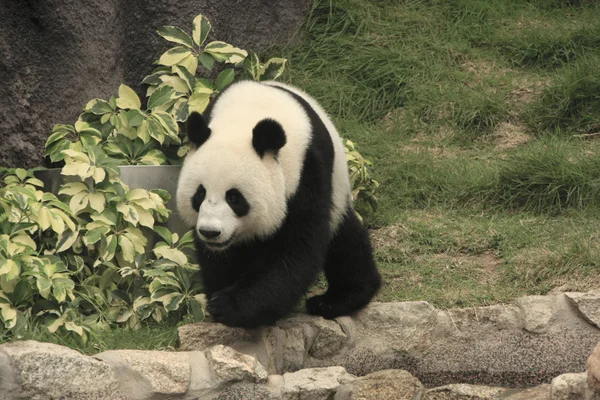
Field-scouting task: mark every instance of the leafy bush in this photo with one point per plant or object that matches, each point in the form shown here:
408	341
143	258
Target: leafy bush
80	262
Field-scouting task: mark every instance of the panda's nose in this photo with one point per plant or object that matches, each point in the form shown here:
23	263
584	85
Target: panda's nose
209	234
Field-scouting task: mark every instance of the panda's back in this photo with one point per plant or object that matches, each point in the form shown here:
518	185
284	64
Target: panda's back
305	123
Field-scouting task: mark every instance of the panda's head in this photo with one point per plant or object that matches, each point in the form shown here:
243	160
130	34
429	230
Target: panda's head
231	187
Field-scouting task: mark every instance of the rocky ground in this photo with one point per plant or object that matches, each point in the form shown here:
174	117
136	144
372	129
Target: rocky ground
536	349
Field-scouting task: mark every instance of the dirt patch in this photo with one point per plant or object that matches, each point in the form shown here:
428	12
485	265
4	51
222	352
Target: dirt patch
388	237
508	135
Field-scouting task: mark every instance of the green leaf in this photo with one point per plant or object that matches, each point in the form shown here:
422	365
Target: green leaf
66	240
96	234
181	110
190	63
186	240
172	301
171	254
127	248
22	293
72	188
97	201
176	83
224	79
196	310
21	173
98	107
176	35
207	60
128	98
54	324
137	238
162	95
200	30
44	285
153	157
9	315
24	240
108	247
164	233
198	102
134	118
174	55
252	65
273	69
9	269
184	74
61	288
58	134
222	51
78	202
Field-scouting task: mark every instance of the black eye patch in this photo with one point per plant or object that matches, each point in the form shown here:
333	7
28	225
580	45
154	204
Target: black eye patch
237	202
198	197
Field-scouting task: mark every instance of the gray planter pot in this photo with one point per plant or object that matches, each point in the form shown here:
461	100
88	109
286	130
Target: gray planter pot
136	177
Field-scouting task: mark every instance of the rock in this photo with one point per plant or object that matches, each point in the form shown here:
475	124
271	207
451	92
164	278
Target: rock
571	387
328	340
537	312
393	384
202	335
541	392
464	392
232	366
246	391
588	305
166	372
593	370
99	44
498	317
46	371
314	383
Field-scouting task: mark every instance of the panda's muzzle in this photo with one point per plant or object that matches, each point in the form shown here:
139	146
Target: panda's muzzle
218	245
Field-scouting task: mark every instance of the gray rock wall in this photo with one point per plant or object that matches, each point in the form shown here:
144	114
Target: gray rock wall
55	55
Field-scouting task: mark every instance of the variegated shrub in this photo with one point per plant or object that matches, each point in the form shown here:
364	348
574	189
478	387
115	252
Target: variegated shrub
79	263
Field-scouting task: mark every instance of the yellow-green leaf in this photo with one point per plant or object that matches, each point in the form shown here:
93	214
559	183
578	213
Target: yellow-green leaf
176	83
174	55
72	188
190	63
44	218
25	240
126	248
97	201
79	202
58	225
128	98
198	102
176	35
201	29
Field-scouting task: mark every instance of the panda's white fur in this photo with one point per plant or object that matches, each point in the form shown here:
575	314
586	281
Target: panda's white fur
267	183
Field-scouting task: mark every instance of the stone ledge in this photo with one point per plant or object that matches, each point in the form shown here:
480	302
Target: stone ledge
312	358
528	343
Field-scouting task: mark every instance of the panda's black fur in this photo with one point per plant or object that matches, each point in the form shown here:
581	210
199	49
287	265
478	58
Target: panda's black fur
257	282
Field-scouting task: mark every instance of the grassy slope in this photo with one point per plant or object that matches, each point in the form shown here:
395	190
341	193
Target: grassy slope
469	110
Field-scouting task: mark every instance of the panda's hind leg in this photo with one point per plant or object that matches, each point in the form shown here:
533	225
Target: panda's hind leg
351	272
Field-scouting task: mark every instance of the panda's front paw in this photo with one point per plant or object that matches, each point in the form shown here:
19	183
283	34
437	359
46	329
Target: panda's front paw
224	308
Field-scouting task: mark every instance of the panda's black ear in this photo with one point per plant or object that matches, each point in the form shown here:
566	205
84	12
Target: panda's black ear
268	136
196	129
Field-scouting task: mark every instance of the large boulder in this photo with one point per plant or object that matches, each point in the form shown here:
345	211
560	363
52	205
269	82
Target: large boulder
59	54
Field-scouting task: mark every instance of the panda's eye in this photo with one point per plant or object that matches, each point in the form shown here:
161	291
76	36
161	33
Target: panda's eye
232	197
237	202
198	197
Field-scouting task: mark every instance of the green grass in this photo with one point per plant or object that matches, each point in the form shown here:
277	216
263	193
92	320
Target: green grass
148	337
475	114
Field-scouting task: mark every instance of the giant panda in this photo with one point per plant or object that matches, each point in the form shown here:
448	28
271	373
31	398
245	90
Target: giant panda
266	190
